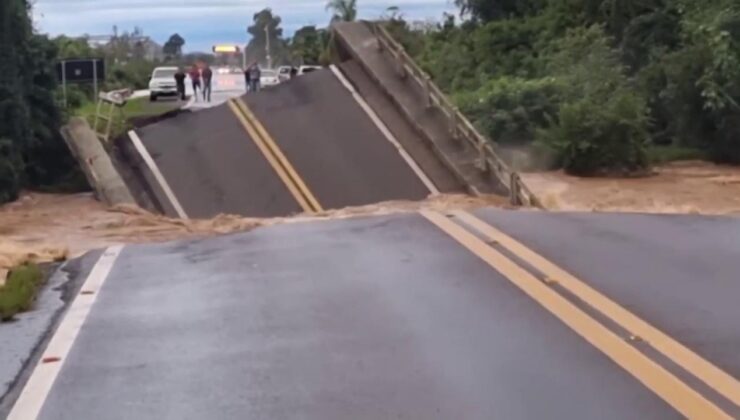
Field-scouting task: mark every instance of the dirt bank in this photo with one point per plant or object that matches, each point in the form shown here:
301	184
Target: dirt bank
47	227
681	187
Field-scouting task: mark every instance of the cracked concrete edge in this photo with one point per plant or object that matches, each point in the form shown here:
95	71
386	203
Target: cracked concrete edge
29	334
95	162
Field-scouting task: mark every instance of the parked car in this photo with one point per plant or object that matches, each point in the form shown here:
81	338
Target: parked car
284	73
307	69
269	78
162	83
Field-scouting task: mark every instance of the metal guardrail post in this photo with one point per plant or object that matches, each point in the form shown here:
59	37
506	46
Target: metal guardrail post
514	192
454	130
483	162
428	91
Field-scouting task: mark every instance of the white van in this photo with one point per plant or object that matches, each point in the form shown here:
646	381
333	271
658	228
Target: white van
307	69
163	83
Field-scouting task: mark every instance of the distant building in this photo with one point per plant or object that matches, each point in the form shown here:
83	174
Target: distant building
98	41
426	26
137	44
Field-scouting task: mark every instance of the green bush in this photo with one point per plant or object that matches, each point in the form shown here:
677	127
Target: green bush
583	63
673	153
19	291
694	91
511	110
600	138
602	124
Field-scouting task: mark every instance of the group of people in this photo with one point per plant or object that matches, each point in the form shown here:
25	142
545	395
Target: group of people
252	75
201	79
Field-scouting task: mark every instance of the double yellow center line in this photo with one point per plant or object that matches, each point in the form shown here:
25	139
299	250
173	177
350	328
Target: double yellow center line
275	157
658	379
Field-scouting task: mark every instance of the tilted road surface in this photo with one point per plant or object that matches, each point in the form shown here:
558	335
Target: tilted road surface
303	146
490	314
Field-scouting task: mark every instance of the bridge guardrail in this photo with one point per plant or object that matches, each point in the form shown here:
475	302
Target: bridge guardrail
460	127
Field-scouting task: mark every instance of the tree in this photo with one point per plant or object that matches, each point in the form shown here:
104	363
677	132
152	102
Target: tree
392	13
488	10
32	153
15	126
343	10
307	44
47	157
173	47
266	24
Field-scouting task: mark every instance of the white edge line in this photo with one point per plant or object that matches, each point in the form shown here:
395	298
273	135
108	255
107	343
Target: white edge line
32	398
190	103
157	174
386	132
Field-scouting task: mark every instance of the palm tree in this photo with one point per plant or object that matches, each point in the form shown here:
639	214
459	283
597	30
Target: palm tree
344	10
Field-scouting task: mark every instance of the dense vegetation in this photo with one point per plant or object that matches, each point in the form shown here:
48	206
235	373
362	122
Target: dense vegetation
591	85
31	151
588	85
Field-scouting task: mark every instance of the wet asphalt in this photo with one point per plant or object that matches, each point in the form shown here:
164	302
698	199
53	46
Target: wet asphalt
23	339
388	317
682	273
336	148
214	167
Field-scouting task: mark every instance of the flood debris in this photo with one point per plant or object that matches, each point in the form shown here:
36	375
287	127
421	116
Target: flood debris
53	227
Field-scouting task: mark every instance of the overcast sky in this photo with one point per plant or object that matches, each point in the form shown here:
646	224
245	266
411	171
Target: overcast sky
203	23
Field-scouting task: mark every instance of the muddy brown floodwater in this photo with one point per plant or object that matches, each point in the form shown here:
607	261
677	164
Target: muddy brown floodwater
680	187
48	227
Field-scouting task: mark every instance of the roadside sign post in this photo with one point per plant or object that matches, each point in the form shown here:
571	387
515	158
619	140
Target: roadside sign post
95	78
81	70
64	84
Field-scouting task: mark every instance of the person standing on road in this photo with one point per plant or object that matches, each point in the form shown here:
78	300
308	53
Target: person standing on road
207	78
247	79
195	78
180	82
254	76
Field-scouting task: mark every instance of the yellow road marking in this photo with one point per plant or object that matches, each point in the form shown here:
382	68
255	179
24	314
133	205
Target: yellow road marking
279	155
663	383
271	159
710	374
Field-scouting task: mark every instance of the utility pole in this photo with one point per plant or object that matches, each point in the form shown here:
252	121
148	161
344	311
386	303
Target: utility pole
267	46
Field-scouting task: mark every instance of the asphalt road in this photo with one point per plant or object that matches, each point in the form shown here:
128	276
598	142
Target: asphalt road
333	144
407	317
225	86
213	165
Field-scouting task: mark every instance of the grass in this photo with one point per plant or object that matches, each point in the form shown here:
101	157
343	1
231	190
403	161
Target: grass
666	154
19	291
135	108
